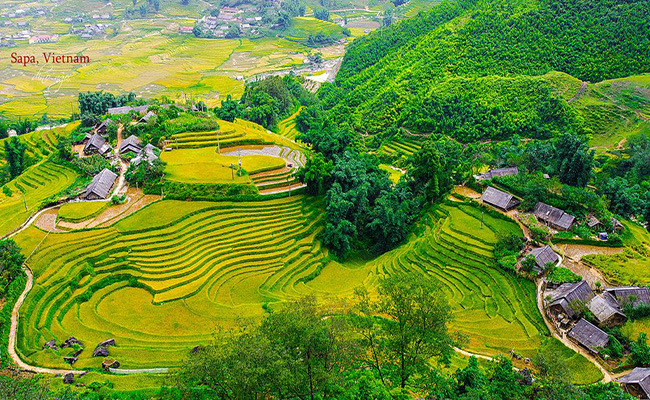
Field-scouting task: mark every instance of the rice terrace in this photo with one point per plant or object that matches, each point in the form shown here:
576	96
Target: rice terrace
325	199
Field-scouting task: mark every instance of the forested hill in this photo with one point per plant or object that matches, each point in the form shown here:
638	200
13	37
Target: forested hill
412	73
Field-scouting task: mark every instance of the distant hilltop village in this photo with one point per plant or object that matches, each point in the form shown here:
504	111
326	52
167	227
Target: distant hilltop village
228	22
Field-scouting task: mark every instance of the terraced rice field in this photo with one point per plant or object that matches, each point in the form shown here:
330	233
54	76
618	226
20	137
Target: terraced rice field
40	144
162	280
401	147
287	128
229	134
29	190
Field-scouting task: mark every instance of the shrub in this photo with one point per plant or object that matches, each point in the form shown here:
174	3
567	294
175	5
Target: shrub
563	275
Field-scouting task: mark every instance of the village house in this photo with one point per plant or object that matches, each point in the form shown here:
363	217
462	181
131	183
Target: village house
496	172
148	154
593	222
637	383
499	199
554	217
544	256
567	298
126	110
96	144
630	294
606	310
43	39
589	336
101	185
147	117
101	128
131	144
186	30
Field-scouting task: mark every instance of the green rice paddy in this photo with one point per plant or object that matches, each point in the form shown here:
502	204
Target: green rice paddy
162	280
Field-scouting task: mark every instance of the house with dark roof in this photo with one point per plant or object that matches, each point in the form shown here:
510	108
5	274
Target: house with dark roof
499	199
101	128
131	144
567	297
554	217
101	185
94	144
589	335
606	310
543	257
632	294
148	154
496	172
637	383
126	109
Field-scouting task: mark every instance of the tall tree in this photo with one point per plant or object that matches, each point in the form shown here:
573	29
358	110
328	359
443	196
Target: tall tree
15	155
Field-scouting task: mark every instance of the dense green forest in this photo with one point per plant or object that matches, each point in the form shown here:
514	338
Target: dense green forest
396	75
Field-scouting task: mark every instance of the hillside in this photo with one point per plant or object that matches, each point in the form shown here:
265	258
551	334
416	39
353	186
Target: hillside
493	48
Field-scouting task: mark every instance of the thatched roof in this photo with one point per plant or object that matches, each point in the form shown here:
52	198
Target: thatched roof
554	216
497	172
101	184
589	335
544	256
567	295
604	308
637	295
499	199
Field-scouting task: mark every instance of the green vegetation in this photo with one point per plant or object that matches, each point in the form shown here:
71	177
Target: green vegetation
599	40
76	212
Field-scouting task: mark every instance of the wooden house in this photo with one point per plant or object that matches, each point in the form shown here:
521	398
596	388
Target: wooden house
499	199
588	336
567	297
637	383
543	257
101	185
554	217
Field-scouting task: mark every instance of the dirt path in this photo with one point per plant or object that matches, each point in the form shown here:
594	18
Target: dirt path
607	377
12	334
581	91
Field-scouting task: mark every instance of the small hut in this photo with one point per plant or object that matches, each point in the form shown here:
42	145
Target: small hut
606	310
101	185
543	257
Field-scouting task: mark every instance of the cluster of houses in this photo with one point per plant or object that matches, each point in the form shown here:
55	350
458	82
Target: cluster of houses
38	39
228	17
88	31
130	148
569	301
22	12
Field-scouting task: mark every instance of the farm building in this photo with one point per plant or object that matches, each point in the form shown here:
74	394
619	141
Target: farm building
131	144
126	110
634	294
568	296
101	128
637	383
496	172
606	310
147	117
589	335
101	185
593	222
148	154
616	224
554	217
97	144
501	200
186	30
543	257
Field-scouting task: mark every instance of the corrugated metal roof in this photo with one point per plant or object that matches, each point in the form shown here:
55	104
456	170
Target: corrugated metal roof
603	309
